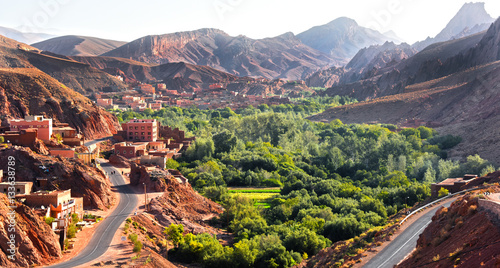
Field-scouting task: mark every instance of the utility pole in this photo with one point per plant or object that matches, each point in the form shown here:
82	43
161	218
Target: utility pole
145	198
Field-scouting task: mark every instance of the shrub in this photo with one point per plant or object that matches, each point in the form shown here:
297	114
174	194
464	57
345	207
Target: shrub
132	237
443	192
49	220
71	232
137	246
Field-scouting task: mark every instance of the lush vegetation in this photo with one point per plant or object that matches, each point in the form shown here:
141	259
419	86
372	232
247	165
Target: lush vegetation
336	180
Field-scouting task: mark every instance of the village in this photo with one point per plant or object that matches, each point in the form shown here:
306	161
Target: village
142	141
215	96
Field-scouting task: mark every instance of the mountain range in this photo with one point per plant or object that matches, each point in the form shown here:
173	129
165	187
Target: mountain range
283	56
287	56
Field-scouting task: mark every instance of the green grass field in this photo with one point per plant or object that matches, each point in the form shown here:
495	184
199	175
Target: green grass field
261	196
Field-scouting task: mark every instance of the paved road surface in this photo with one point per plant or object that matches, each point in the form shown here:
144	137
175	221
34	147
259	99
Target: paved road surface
107	228
404	243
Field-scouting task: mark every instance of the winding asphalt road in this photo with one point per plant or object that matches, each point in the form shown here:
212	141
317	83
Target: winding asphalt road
404	243
107	228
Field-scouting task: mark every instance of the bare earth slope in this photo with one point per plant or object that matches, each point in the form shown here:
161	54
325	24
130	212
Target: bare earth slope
72	45
80	77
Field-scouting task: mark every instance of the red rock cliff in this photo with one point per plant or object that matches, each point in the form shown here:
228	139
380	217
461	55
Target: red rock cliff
36	243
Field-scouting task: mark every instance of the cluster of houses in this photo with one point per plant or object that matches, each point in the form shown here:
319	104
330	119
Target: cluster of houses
216	96
56	204
147	142
24	132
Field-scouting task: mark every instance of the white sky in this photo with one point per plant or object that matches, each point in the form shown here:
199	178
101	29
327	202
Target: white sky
126	20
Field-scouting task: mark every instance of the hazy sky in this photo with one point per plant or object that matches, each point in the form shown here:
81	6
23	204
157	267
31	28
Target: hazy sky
126	20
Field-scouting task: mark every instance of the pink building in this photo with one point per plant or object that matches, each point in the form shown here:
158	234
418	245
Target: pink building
130	150
147	89
131	99
155	105
43	125
105	102
141	130
68	153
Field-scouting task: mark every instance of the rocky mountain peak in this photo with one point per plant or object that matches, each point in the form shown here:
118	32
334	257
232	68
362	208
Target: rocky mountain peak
470	15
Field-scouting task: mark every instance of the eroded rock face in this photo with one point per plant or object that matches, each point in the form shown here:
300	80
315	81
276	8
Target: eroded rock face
84	181
182	205
37	244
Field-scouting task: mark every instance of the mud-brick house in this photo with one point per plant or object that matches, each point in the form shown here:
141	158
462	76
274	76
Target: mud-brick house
60	203
453	185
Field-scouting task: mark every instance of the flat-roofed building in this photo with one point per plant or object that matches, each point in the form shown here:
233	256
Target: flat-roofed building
43	125
61	203
130	150
19	187
141	130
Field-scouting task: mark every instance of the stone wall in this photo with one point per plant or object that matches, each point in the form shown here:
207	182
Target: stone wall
491	206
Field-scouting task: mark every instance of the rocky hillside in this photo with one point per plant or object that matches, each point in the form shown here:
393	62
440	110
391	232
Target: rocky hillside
342	38
182	205
367	63
78	76
27	91
36	243
464	235
284	56
72	45
470	19
84	181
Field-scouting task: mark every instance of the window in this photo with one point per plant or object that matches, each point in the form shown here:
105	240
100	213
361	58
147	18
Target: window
18	190
142	133
142	127
132	152
149	127
137	133
142	137
149	133
136	127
